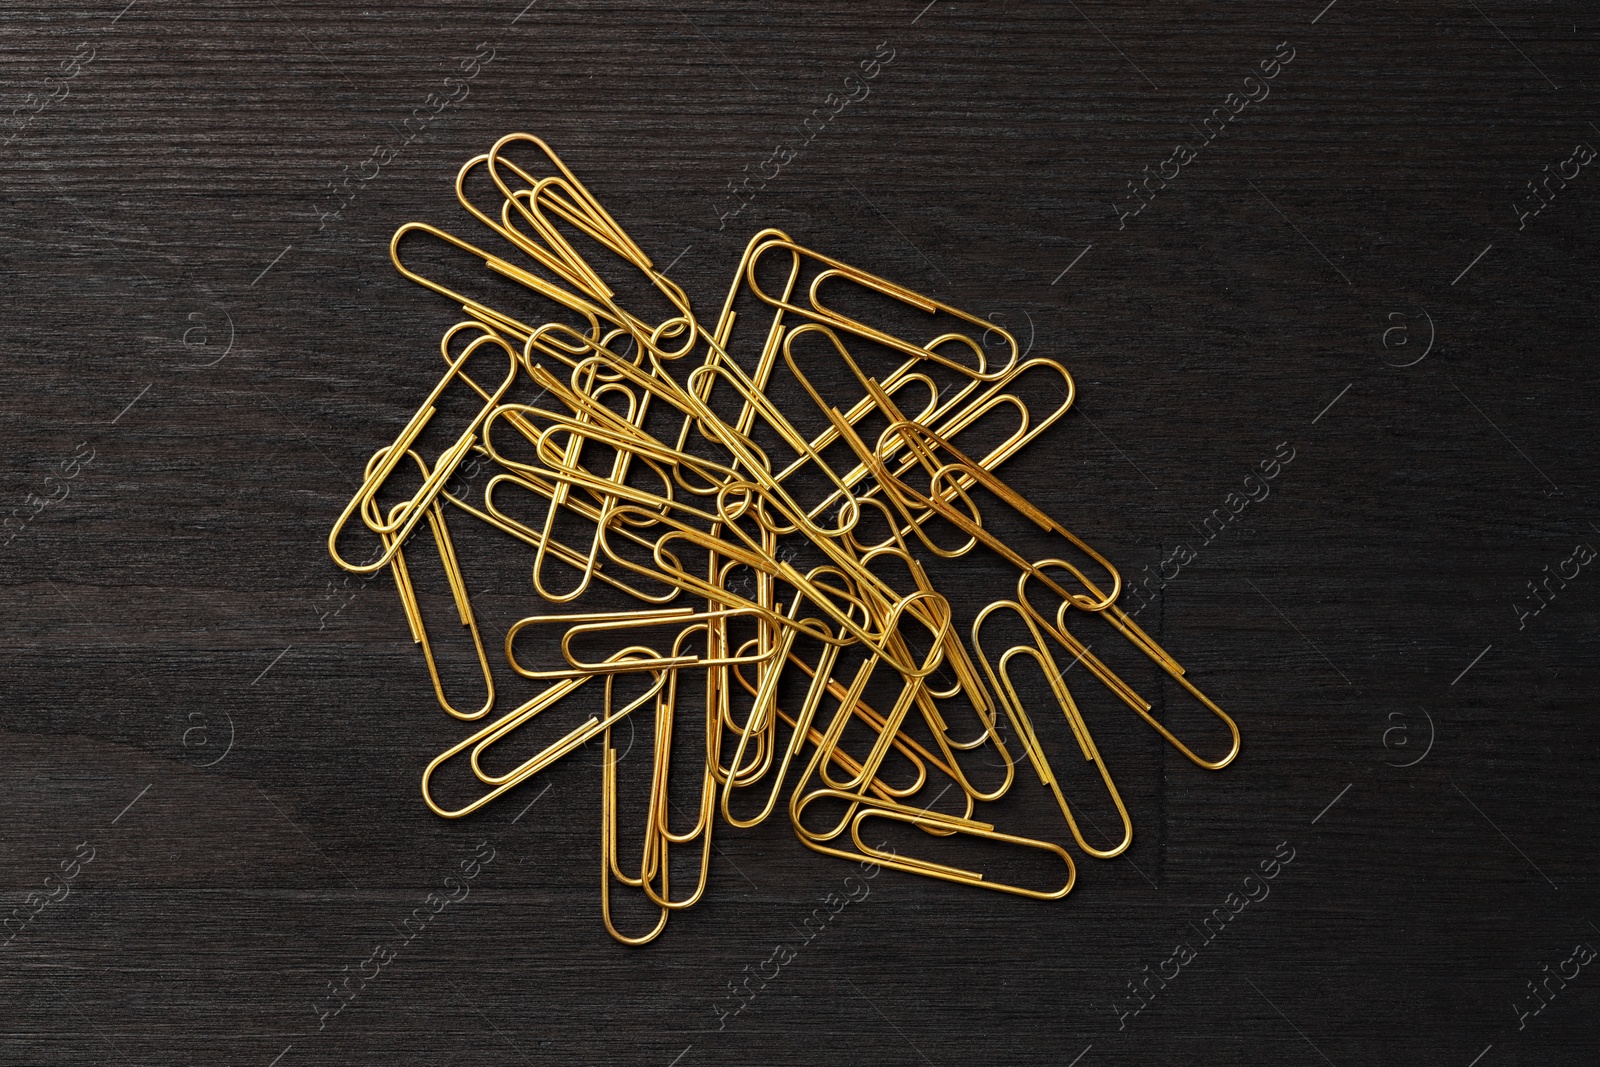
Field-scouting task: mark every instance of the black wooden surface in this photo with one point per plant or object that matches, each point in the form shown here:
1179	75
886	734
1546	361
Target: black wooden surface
193	690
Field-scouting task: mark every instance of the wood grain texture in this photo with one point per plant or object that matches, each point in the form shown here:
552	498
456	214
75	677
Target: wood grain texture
174	304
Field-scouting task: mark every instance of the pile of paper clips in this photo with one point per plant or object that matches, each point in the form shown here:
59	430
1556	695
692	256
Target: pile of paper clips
748	512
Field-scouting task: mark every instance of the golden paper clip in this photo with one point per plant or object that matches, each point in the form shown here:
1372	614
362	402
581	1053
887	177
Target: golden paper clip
1000	677
458	593
403	519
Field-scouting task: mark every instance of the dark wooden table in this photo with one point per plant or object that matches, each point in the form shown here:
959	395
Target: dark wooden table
1344	262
